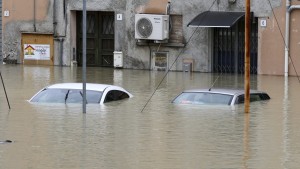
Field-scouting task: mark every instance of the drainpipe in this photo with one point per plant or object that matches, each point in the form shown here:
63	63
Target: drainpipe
34	16
287	36
289	9
61	41
59	36
54	18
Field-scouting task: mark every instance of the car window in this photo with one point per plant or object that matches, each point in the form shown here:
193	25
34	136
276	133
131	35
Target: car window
240	99
253	97
75	96
51	96
66	96
203	98
115	95
93	96
264	96
221	98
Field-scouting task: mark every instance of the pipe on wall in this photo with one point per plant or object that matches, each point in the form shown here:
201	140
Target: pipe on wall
289	9
34	16
54	18
59	36
61	41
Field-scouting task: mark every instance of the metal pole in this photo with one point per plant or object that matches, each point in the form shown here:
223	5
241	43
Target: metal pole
5	91
247	56
84	57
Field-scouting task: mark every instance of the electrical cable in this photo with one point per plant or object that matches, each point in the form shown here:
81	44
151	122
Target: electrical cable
177	57
168	70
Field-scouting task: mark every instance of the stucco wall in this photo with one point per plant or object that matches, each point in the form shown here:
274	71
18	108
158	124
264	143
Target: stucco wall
24	16
199	41
271	47
138	57
272	42
294	61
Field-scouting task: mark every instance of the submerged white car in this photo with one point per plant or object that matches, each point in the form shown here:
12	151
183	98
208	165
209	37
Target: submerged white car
218	96
72	93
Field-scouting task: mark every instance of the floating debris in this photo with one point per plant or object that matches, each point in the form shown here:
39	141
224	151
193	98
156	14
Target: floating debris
6	141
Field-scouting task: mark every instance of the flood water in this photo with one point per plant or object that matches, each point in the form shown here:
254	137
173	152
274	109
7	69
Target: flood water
119	135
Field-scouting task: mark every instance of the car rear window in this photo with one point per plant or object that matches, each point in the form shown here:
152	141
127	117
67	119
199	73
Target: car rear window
203	98
66	96
253	97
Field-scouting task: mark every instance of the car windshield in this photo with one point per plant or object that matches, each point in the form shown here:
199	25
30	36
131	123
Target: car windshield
203	98
66	96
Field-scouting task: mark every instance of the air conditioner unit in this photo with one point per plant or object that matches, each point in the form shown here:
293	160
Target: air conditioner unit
151	27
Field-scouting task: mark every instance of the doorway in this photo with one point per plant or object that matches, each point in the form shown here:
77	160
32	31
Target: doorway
229	50
99	38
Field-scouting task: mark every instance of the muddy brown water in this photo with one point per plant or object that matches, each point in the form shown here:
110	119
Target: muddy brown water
119	135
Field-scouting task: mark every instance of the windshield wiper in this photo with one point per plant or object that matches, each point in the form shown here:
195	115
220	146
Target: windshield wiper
67	95
82	96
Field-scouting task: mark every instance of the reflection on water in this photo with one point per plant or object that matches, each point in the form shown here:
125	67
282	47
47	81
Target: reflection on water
119	135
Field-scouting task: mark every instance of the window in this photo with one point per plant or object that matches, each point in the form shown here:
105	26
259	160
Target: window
203	98
66	96
240	99
51	96
253	97
115	95
264	96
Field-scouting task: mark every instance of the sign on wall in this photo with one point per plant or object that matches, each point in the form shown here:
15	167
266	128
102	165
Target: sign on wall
263	23
36	51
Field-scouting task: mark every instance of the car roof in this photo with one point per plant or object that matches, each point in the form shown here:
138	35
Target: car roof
89	86
222	91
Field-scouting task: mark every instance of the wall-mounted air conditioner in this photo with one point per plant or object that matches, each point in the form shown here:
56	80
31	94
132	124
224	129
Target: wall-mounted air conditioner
151	27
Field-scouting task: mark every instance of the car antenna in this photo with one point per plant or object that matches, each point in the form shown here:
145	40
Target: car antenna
213	83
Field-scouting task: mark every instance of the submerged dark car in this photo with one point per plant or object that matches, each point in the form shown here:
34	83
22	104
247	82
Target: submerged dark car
218	96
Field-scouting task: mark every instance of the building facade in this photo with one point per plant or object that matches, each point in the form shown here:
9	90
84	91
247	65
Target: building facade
1	58
53	29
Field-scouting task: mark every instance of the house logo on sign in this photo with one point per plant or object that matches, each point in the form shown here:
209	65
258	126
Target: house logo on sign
29	50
